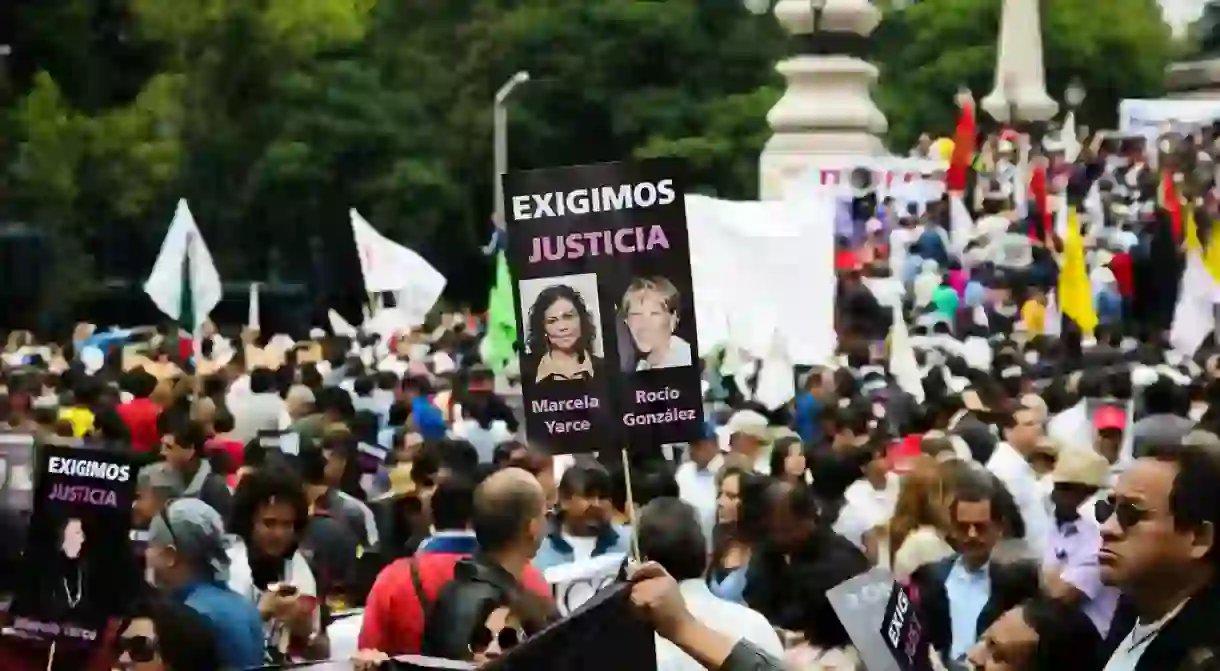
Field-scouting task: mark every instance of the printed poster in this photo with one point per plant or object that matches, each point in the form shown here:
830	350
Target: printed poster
77	571
600	256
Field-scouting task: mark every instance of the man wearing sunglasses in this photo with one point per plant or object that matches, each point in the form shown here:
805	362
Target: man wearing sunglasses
1159	546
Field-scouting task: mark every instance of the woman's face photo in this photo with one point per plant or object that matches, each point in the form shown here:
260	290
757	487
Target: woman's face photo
74	539
649	320
562	323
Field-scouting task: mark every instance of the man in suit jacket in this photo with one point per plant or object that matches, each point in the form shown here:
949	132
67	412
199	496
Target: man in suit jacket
962	595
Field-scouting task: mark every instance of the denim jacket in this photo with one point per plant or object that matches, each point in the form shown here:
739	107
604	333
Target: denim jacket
555	550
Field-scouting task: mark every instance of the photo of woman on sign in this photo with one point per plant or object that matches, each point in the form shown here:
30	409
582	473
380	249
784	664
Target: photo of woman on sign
66	583
561	335
649	309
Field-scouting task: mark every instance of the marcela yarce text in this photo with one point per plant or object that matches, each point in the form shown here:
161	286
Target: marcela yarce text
597	199
598	243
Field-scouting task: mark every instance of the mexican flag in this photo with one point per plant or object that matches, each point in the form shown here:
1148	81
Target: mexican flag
184	283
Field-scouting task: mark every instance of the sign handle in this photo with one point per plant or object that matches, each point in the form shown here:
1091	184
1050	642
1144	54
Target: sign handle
51	657
631	512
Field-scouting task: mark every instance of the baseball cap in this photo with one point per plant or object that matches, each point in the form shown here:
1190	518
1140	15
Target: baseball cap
1109	417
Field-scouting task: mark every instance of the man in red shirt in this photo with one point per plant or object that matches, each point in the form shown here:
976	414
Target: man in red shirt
394	615
140	413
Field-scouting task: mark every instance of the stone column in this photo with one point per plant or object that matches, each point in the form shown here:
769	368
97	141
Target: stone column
827	108
1018	70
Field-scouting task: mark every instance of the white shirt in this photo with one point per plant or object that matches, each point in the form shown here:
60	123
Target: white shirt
582	546
1022	482
1129	652
697	487
862	492
731	619
296	573
679	355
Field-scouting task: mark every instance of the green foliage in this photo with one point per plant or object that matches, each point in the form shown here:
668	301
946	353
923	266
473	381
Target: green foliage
929	49
275	116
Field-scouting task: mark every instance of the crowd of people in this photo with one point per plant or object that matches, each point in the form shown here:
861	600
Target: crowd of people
1049	491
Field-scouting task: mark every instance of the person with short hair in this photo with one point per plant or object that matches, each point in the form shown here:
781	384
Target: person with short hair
184	448
156	485
962	595
670	535
509	520
1159	546
397	607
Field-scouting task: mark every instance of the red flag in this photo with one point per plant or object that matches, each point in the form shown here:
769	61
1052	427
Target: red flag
1040	230
1172	203
963	150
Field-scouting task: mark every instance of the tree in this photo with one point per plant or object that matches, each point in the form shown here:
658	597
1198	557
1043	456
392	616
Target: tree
1207	31
929	49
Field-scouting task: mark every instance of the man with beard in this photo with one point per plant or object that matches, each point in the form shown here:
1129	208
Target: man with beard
1070	572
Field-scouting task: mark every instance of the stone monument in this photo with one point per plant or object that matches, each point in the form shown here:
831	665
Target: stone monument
827	108
1020	78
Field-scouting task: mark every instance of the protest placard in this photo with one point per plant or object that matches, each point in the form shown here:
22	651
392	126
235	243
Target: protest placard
605	306
861	604
77	570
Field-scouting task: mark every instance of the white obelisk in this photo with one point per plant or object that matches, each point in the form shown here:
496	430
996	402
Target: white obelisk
1019	71
827	108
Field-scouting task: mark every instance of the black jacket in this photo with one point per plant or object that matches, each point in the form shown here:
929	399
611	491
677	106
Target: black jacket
770	578
1011	584
1191	632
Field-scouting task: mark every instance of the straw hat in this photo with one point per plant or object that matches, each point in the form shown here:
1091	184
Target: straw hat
1082	467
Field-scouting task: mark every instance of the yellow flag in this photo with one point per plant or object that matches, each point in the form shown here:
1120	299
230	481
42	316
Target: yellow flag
1075	293
1211	253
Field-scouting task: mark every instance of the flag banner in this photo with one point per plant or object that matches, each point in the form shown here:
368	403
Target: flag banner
600	255
574	583
76	572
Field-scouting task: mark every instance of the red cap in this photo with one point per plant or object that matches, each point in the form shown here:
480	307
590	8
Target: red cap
902	453
1109	417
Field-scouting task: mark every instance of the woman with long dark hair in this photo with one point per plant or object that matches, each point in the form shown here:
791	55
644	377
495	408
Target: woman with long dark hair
163	635
738	522
560	336
270	513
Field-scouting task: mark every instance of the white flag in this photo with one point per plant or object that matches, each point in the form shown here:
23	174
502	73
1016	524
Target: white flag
184	283
389	266
903	365
1194	316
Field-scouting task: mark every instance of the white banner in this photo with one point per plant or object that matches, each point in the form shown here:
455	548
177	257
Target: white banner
575	583
1147	116
907	180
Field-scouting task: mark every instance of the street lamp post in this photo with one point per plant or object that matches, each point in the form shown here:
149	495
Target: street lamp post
1074	95
500	121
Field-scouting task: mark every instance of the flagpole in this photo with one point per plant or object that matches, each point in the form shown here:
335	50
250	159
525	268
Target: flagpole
634	518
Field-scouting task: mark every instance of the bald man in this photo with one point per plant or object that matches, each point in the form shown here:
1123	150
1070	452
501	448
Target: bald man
509	518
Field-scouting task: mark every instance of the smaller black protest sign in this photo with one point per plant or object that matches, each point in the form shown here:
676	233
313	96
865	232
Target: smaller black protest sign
902	631
605	306
77	570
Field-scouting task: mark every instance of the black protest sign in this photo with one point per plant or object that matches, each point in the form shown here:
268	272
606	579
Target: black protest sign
16	472
77	570
605	306
604	634
902	631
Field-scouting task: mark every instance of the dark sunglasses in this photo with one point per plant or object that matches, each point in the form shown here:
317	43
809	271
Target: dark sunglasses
1127	514
138	648
507	638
